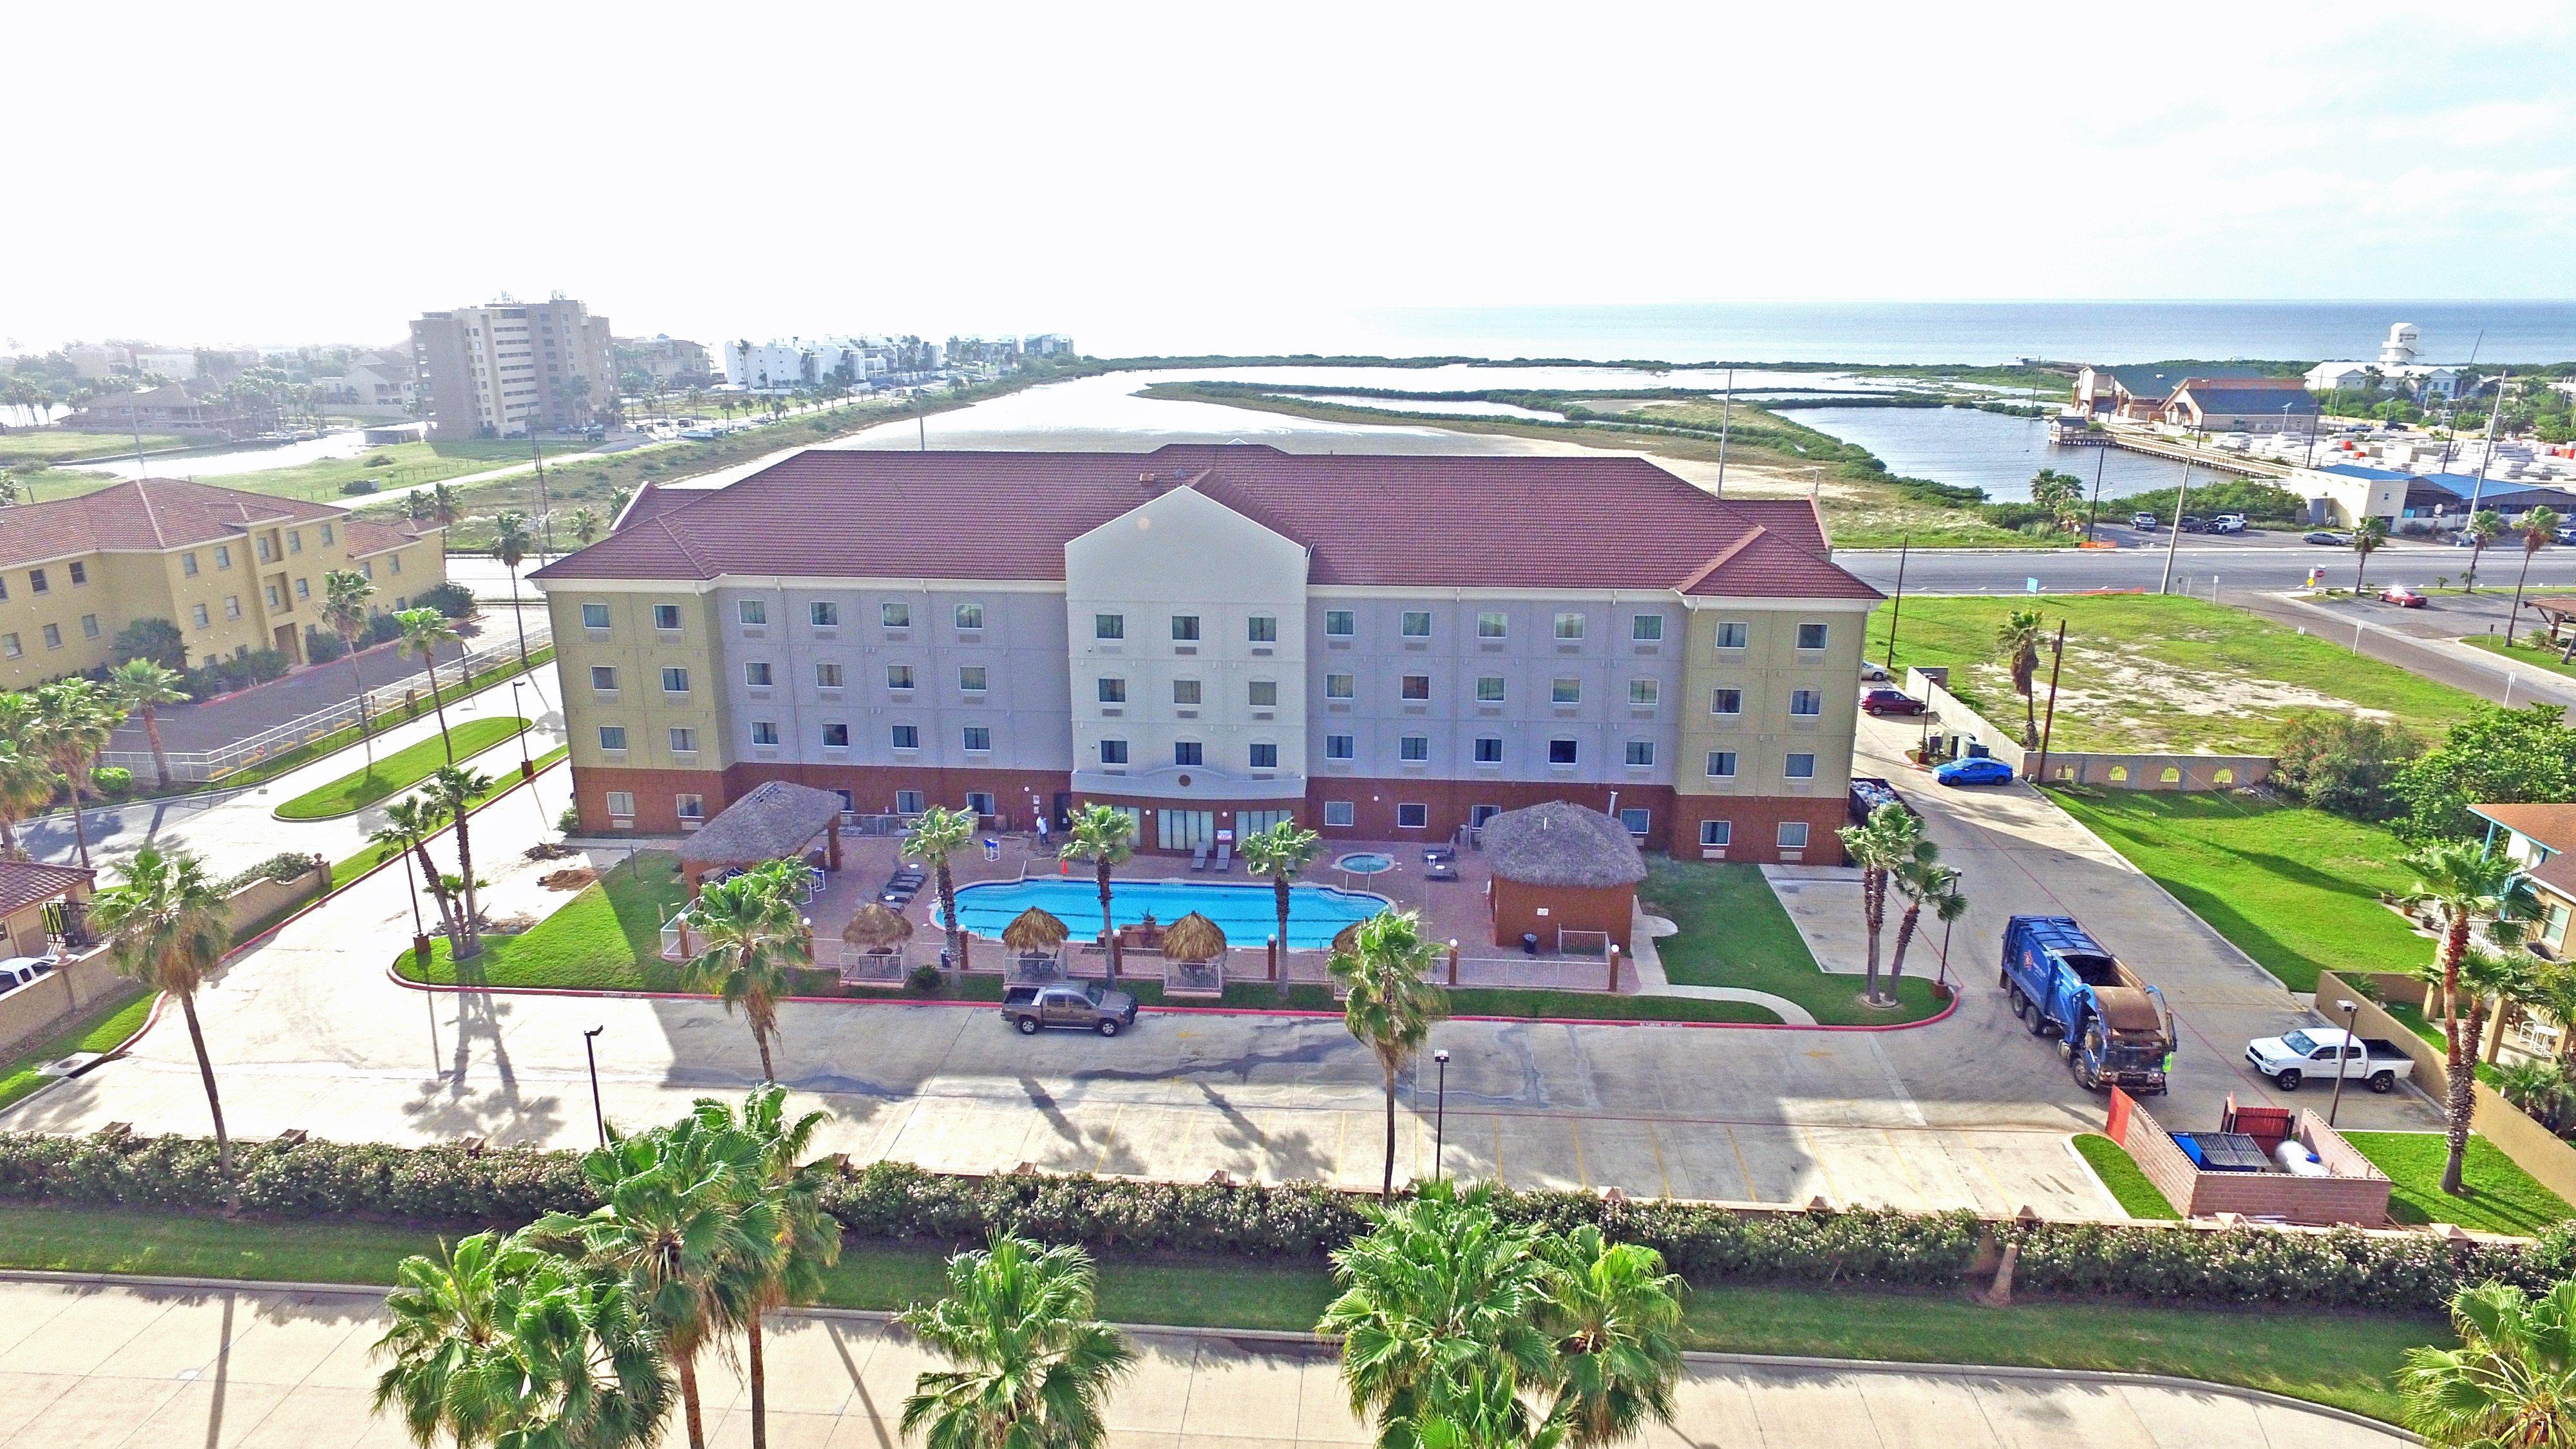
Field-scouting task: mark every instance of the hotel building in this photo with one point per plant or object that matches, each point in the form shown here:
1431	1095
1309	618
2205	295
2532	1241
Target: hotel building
1385	648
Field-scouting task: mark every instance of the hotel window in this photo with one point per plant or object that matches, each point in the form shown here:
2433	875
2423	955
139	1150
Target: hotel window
36	582
979	802
684	740
1187	752
1185	628
1264	694
1336	747
304	588
970	678
1113	691
690	807
1721	764
1492	626
80	573
1566	690
1108	626
603	678
53	636
970	616
978	739
1641	753
754	612
1793	835
1339	623
1714	834
1637	821
394	562
274	601
1417	686
849	802
907	802
267	550
1412	817
1340	812
367	569
1339	686
675	680
326	534
1806	702
898	676
10	646
1569	627
295	540
1113	752
1489	749
1265	757
764	732
197	615
827	676
223	556
621	806
1562	752
1477	815
904	737
1801	766
594	616
188	565
1646	628
1413	749
1726	701
1489	689
1416	624
755	673
1811	636
1644	692
895	616
89	626
1263	628
1733	633
1185	691
666	616
823	614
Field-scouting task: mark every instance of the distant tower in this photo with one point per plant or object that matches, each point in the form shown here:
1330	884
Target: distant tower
2399	349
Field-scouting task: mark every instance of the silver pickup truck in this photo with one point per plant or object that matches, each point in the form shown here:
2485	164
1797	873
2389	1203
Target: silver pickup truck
2311	1054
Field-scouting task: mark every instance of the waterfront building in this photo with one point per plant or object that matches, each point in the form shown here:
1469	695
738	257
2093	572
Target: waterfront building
2397	370
2240	405
1213	638
2137	394
509	368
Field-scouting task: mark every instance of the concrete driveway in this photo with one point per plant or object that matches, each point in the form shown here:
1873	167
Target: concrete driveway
264	1368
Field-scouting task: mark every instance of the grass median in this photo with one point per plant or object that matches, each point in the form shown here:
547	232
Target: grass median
1734	932
2501	1197
2121	1176
365	860
101	1026
2341	1359
400	770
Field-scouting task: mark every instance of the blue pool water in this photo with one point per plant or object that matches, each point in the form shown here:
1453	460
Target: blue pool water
1248	914
1365	862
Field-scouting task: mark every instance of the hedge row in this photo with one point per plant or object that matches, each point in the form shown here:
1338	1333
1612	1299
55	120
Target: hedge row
449	1186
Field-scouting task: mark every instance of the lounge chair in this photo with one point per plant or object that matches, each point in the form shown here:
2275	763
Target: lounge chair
1225	858
1199	859
1442	869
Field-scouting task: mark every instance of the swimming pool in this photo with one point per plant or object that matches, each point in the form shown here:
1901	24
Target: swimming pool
1365	862
1248	914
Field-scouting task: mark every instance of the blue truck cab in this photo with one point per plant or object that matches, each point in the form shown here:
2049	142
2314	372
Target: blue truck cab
2114	1029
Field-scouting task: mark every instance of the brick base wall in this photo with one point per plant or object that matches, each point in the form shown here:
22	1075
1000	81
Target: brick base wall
1756	821
1542	911
1451	802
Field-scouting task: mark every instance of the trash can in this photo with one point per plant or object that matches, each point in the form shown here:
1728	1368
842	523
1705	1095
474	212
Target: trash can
1529	943
1976	751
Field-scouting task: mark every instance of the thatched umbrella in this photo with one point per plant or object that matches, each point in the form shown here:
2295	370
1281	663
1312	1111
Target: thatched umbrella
1346	941
1035	933
876	928
1193	938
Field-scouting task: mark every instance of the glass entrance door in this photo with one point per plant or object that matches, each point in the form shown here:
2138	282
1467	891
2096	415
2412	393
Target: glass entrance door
1184	830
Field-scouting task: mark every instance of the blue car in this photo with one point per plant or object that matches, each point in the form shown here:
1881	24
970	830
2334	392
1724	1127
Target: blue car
1987	771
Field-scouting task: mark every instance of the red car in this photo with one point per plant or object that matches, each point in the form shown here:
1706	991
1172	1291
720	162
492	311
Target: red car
2404	598
1890	701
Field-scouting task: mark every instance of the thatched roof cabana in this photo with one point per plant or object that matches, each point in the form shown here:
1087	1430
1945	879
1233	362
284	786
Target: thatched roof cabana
1034	931
1193	938
1562	844
1346	941
877	928
774	821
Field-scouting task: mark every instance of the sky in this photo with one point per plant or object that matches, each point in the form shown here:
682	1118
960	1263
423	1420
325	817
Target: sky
1249	176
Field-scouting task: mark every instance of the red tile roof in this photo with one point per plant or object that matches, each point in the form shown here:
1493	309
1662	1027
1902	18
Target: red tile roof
1604	522
148	514
24	882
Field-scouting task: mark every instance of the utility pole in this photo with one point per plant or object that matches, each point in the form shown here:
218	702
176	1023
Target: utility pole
1725	425
2181	494
1904	545
545	519
2048	726
2101	456
921	418
2486	453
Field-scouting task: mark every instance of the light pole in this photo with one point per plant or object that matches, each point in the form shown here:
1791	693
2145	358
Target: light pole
2351	1013
590	1049
1440	1116
527	767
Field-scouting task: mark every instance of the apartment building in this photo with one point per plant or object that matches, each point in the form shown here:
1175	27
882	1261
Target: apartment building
504	369
1384	648
234	571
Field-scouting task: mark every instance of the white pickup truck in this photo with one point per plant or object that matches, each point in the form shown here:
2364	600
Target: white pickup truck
2310	1054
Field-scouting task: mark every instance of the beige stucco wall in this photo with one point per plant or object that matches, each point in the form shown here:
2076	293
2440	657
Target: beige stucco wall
639	653
1768	668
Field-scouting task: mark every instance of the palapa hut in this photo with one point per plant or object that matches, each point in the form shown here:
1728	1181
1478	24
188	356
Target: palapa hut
774	821
877	928
1193	938
1035	939
1561	867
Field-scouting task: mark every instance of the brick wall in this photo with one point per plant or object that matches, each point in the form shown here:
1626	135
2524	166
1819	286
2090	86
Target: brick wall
1544	910
2315	1201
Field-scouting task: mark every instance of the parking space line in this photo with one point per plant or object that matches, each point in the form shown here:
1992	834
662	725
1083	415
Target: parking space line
1741	1165
1816	1155
1574	1127
1663	1174
1911	1180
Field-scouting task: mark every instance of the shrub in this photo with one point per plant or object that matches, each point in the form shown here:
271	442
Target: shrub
268	664
924	979
158	640
2343	763
381	629
113	781
359	485
569	822
2525	755
321	647
450	598
286	867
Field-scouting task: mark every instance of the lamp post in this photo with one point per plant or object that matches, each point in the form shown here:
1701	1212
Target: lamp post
1440	1117
590	1049
527	768
2351	1013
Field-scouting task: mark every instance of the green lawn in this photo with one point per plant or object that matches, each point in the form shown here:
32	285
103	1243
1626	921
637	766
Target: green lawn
51	445
2542	658
2119	1172
2294	888
2340	1359
2501	1197
107	1023
400	770
365	860
2150	672
389	466
1735	933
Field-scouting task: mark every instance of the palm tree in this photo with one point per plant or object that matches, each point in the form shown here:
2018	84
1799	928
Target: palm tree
2484	527
169	926
2463	880
1034	1367
425	632
141	686
1922	880
344	607
27	778
936	834
1106	836
452	791
409	823
2059	495
585	526
2541	1088
1890	837
809	1237
2512	1380
1390	1007
754	937
74	718
2019	638
510	544
442	505
2539	530
2495	982
1280	852
1615	1316
2366	539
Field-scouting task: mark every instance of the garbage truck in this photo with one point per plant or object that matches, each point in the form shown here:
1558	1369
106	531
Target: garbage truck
2111	1026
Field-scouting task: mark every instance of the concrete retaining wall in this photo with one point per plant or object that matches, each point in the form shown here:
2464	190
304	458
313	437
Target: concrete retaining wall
2142	771
31	1010
263	902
